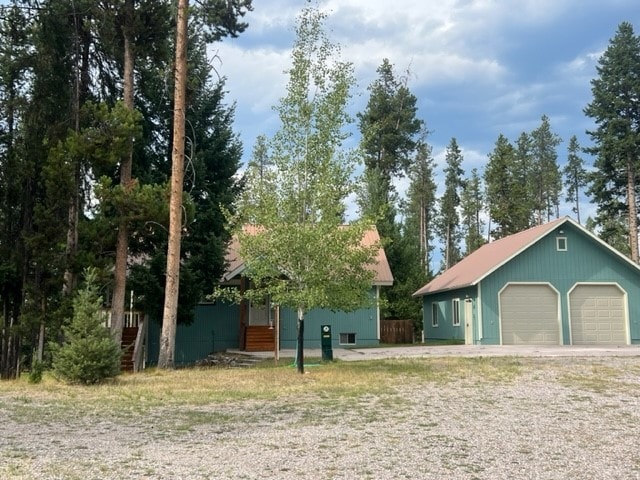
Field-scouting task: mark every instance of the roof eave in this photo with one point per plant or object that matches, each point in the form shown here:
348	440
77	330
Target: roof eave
448	289
233	273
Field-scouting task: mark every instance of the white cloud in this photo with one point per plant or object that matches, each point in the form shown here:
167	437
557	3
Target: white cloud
463	58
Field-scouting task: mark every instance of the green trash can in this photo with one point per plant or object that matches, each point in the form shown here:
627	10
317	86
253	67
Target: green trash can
325	341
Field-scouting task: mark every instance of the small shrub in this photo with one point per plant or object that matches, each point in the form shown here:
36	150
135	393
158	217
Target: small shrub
89	354
35	374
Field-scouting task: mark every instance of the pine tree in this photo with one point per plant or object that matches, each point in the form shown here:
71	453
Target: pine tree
498	177
89	354
420	210
472	206
616	112
575	175
449	229
15	39
390	135
545	172
219	20
523	184
389	125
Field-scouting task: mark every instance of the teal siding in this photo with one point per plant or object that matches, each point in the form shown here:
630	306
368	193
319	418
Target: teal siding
444	300
584	261
215	328
362	323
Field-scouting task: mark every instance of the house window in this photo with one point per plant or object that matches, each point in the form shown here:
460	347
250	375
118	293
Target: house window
561	244
434	314
455	306
347	339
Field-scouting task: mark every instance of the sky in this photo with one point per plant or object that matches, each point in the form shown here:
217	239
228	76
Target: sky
479	68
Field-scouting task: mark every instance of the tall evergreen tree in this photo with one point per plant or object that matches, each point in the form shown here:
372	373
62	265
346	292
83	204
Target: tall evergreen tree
498	179
523	184
134	25
217	20
616	111
420	210
472	206
545	172
449	219
390	134
575	176
389	125
15	48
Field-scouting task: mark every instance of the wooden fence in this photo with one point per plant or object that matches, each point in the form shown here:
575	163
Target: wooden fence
396	331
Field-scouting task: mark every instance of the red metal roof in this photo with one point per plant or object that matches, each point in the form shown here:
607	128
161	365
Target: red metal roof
383	275
473	268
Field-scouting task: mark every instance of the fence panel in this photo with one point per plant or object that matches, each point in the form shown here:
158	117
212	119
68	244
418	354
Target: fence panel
396	331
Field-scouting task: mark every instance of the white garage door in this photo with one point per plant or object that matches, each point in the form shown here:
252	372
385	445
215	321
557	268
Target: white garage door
597	315
529	315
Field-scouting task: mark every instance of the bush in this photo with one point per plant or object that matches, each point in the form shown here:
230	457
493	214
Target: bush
35	374
89	354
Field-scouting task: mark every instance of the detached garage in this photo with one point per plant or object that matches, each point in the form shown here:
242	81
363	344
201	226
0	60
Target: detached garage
535	288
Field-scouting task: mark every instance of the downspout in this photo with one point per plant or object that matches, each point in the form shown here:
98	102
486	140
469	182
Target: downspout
479	314
378	312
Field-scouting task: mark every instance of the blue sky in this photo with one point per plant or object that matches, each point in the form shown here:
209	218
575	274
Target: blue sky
479	68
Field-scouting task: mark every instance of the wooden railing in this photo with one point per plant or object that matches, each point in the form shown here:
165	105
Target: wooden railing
131	319
133	327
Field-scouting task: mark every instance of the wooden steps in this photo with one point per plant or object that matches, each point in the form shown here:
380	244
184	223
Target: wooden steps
260	338
129	335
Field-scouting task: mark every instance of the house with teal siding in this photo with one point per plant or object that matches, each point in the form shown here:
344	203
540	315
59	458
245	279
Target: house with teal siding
554	284
220	326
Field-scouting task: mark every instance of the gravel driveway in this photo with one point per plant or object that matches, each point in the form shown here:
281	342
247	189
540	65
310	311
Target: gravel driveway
559	418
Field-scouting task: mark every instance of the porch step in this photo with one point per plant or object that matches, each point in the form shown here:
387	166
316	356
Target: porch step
260	339
226	360
129	335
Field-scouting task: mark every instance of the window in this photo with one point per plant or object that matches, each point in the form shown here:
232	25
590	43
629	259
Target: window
455	306
561	244
434	314
347	339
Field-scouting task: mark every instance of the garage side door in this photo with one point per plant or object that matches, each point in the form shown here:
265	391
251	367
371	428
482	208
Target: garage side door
597	315
529	315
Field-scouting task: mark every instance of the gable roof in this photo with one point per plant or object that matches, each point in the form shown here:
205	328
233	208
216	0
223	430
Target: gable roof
491	256
381	269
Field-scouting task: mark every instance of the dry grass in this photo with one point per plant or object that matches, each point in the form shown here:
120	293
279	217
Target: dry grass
170	424
331	383
136	394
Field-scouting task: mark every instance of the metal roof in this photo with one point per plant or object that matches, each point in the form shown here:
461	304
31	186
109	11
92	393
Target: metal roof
485	260
382	271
